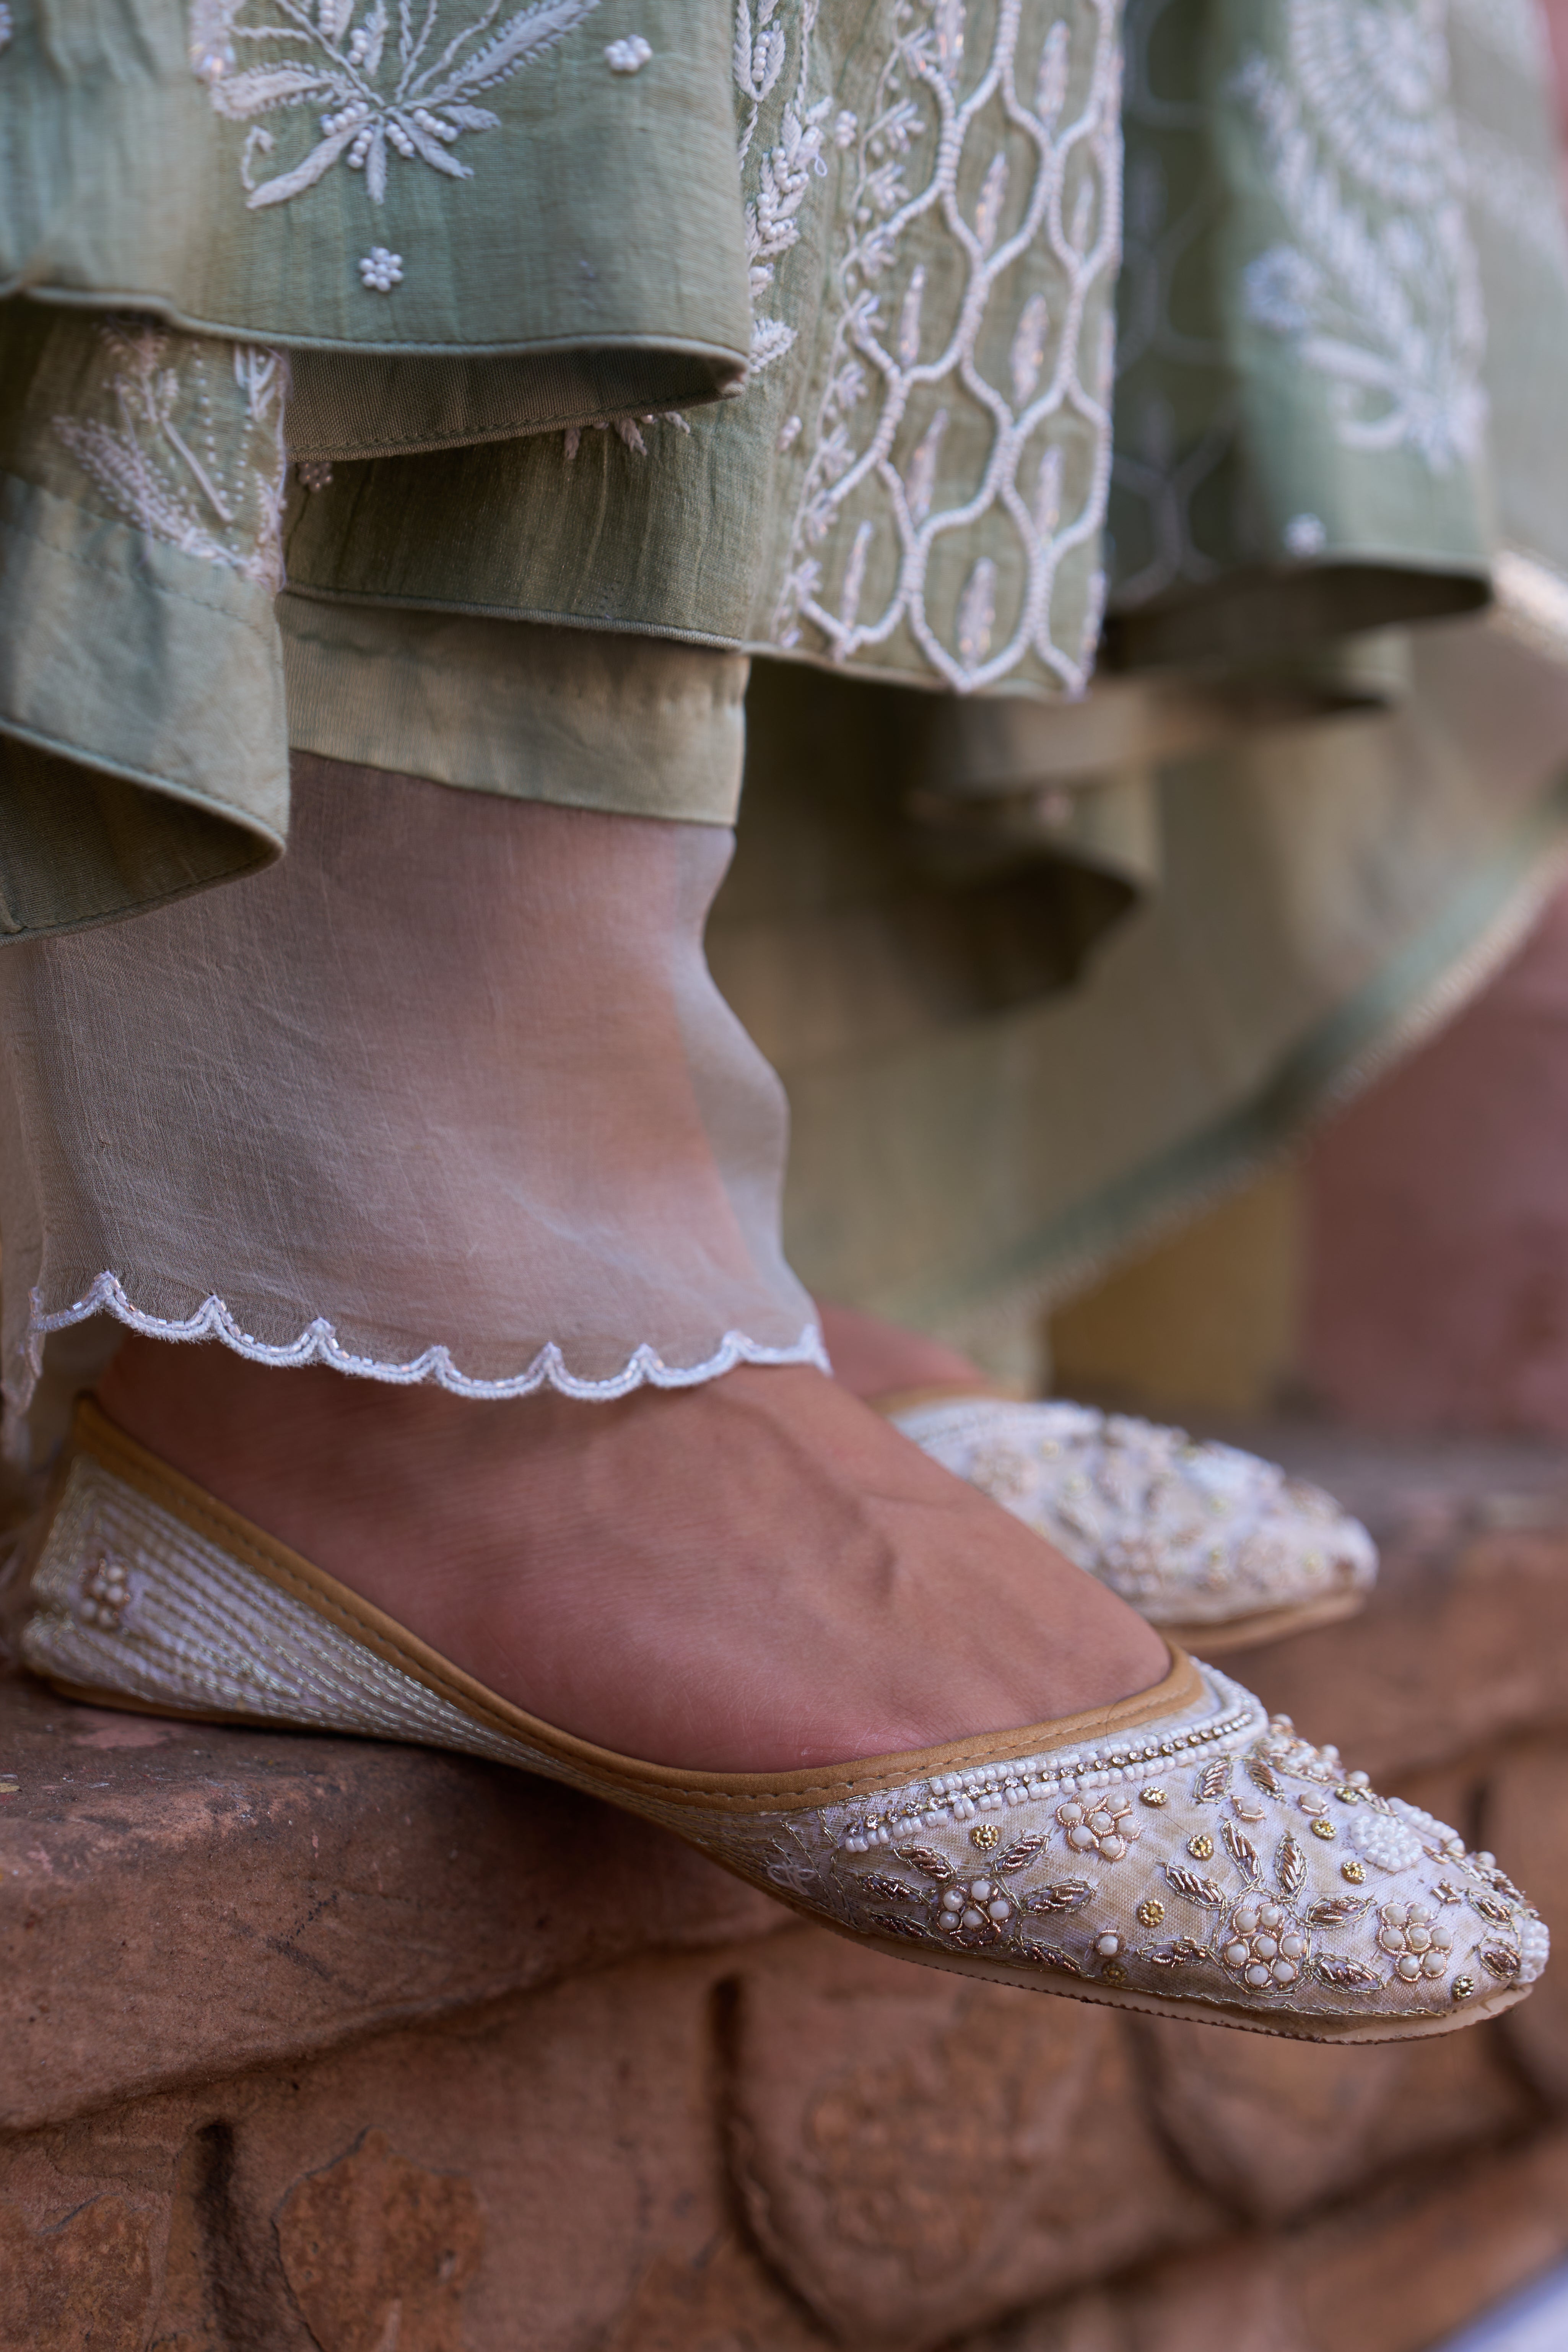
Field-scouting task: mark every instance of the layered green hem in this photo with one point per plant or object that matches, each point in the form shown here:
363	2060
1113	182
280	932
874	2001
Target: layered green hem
127	667
634	726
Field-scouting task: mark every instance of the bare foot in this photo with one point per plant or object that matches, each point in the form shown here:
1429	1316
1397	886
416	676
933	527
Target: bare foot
752	1575
874	1358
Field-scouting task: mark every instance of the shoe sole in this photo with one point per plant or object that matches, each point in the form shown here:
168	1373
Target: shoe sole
1230	1635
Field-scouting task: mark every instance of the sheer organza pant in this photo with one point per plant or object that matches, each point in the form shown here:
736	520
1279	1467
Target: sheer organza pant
447	1093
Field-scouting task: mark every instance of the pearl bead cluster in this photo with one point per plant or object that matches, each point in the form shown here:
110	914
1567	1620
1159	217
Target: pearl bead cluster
985	1789
1264	1948
105	1593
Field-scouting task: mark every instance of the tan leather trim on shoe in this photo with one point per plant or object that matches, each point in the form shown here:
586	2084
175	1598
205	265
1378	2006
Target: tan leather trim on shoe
894	1401
96	1434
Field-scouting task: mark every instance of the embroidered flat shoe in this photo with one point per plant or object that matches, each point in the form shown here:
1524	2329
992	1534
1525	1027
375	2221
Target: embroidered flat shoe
1216	1548
1179	1853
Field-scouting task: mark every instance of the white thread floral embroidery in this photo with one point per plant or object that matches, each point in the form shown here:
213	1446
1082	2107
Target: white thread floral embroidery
1376	285
629	56
1054	173
786	169
375	92
148	468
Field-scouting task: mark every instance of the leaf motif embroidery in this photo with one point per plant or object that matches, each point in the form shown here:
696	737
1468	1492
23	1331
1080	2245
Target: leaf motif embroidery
889	1890
1334	1909
1211	1779
910	1931
1242	1850
924	1857
1066	1894
421	115
1290	1866
1051	1956
1345	1976
1501	1959
1263	1775
1024	1851
1195	1889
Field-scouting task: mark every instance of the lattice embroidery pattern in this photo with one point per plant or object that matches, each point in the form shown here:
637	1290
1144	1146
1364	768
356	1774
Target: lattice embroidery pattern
932	113
1376	283
376	89
188	444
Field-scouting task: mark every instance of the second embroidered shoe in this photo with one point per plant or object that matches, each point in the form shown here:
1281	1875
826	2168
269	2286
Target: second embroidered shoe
1179	1853
1215	1546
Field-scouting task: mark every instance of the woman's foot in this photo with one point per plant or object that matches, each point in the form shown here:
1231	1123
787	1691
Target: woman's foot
876	1359
752	1575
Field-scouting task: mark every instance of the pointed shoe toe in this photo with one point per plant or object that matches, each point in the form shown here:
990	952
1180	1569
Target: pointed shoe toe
1180	1852
1217	1548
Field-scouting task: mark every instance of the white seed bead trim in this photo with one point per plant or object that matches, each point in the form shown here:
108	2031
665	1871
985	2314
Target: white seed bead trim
958	1796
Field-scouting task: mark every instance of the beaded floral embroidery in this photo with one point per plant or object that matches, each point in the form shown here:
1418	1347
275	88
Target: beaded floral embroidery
375	90
1189	1533
1249	1910
187	444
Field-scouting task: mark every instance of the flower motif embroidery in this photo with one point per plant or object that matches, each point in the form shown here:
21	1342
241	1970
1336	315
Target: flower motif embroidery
1414	1940
975	1911
373	92
1264	1947
1105	1827
381	271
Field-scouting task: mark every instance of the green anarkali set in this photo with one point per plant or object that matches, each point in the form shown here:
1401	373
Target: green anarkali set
455	396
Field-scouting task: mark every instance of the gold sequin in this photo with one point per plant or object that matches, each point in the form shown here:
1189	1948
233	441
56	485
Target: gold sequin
1151	1913
1355	1870
1113	1972
1201	1847
985	1835
1323	1829
1462	1987
1152	1796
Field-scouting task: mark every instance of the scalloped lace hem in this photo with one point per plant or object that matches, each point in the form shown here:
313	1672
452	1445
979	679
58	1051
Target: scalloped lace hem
319	1343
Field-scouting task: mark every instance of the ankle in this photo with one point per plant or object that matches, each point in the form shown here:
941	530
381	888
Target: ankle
885	1365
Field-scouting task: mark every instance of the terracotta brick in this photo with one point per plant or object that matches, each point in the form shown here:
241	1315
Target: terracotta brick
576	2129
920	2153
1525	1820
1273	2128
1095	2322
1464	1644
86	2278
180	1901
377	2251
725	2300
1405	2269
1238	2295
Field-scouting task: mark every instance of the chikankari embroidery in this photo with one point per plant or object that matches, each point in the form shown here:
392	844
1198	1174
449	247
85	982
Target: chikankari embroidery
964	394
1375	284
376	89
191	454
784	169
